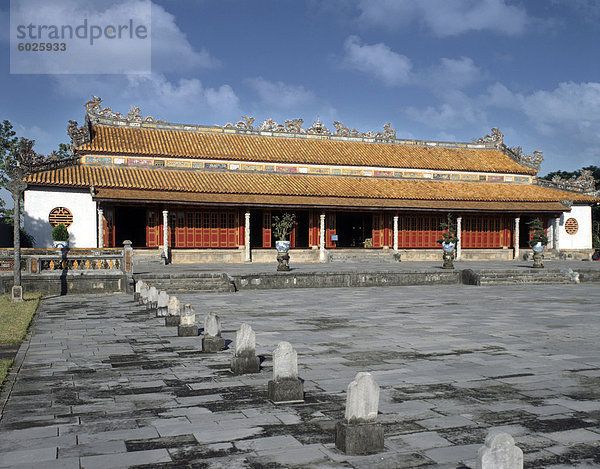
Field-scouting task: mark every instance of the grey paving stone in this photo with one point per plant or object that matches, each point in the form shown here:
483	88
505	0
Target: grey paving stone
451	363
119	460
28	456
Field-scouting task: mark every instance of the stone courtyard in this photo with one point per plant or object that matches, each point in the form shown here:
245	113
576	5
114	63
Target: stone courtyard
102	383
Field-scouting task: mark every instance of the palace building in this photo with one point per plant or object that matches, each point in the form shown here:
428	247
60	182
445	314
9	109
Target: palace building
209	193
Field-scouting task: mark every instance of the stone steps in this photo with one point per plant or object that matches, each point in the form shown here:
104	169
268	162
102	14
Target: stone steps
519	277
361	255
144	256
188	282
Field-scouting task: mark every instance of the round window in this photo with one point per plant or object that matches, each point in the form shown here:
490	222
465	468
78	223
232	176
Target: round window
60	215
571	226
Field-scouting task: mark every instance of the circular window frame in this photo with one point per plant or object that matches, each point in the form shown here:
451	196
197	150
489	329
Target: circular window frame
60	215
571	226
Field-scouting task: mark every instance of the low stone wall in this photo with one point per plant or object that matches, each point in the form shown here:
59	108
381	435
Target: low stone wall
296	255
209	256
218	256
343	279
57	283
487	254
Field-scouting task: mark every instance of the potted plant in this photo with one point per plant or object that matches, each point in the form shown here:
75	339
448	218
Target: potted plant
60	236
538	241
282	227
449	240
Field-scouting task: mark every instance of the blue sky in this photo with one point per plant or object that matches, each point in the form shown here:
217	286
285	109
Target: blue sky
435	69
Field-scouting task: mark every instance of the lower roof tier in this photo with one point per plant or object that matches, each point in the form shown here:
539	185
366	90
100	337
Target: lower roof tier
171	185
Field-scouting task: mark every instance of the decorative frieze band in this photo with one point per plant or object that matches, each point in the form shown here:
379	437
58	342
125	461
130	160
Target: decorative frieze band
306	169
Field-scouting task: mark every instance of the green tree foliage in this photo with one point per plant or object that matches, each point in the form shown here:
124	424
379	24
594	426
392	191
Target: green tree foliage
11	147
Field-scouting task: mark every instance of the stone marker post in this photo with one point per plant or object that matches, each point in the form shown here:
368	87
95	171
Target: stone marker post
245	359
174	311
359	433
499	452
138	289
163	302
285	387
187	322
152	304
212	340
144	292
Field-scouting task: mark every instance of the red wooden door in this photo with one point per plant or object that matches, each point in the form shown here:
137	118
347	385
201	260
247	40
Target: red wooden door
266	231
377	230
330	230
108	228
232	231
214	230
205	230
197	230
190	229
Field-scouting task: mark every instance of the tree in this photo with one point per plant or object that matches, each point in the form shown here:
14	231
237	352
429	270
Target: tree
17	160
9	150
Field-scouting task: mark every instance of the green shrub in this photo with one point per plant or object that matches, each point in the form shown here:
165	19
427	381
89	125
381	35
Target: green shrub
60	233
538	233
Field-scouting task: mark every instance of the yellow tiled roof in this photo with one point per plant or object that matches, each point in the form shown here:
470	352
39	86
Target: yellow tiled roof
255	148
208	182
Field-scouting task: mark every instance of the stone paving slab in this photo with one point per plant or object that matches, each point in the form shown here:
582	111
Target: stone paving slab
102	383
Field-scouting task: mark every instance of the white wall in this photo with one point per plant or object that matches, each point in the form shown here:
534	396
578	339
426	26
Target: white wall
583	238
40	201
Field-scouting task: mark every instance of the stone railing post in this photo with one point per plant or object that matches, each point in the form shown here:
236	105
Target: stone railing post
322	253
100	228
516	240
127	266
396	233
555	231
247	257
459	236
166	235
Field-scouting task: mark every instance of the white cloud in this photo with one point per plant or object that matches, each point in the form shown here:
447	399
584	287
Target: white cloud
457	111
171	49
378	60
452	74
161	47
571	109
279	95
445	17
185	100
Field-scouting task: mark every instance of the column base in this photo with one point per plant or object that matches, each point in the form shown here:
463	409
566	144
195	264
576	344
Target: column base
213	344
171	321
245	365
17	293
187	331
286	391
359	438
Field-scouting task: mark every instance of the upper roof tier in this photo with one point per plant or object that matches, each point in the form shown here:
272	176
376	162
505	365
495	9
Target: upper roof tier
271	149
107	132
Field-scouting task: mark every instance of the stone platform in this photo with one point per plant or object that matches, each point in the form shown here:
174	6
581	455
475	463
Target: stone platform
102	384
183	278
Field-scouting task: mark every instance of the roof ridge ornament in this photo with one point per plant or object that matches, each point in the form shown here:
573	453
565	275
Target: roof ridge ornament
496	137
294	126
244	124
94	111
318	128
585	182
